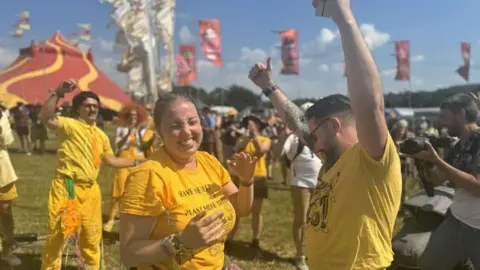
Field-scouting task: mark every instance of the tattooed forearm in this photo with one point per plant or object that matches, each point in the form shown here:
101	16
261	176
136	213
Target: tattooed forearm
293	116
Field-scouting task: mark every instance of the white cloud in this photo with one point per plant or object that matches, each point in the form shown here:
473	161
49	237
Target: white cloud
106	45
84	46
373	37
185	35
416	81
324	68
304	61
418	58
252	56
338	67
389	72
7	56
326	37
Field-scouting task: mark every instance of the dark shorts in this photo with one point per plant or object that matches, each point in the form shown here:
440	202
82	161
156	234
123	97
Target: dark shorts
22	130
260	187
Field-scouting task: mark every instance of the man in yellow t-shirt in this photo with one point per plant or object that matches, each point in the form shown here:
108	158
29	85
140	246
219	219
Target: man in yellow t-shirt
74	202
258	146
352	212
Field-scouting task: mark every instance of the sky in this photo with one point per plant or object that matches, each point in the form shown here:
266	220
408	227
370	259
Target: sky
434	28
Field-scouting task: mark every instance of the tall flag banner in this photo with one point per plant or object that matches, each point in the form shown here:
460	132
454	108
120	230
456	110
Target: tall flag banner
86	32
464	70
76	39
186	62
290	56
402	52
24	14
23	24
211	40
17	33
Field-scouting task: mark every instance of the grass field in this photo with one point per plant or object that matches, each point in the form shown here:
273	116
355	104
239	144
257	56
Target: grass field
30	212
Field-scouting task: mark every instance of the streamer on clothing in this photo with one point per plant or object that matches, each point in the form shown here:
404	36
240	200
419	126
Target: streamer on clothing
71	215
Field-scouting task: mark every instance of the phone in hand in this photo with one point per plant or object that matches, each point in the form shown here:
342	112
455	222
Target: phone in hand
322	8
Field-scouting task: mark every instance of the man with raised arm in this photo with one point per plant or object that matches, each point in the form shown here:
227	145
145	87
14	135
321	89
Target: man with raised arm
352	212
74	203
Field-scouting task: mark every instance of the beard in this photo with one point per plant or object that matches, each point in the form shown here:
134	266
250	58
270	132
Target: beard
332	153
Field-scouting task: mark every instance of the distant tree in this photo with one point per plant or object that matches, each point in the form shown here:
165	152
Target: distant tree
241	97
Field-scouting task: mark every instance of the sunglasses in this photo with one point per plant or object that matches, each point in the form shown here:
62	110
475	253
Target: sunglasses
310	138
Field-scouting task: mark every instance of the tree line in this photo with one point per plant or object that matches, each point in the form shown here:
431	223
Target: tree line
241	97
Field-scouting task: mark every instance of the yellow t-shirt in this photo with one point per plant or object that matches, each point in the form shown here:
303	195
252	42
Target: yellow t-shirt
261	167
75	152
352	212
158	188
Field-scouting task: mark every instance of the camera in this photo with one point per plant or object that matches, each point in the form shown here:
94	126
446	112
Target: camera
418	144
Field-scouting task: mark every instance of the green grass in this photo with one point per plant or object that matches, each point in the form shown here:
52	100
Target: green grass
30	212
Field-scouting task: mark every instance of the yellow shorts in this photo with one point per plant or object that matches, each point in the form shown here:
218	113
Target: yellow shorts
8	192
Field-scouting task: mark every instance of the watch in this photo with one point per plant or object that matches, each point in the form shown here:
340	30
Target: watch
270	89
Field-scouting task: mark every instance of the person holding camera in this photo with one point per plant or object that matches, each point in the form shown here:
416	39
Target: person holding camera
458	237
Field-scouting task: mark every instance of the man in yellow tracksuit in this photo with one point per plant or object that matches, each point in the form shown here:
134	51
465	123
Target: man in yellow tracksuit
83	147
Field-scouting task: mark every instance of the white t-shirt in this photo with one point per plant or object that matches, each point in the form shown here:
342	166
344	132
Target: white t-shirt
466	208
305	167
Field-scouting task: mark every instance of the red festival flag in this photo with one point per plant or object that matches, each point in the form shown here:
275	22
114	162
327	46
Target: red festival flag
290	56
402	52
211	40
186	62
464	70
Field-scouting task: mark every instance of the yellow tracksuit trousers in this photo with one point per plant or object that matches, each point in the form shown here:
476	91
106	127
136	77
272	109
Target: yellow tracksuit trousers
90	233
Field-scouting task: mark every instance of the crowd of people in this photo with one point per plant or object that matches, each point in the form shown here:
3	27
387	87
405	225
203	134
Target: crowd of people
184	176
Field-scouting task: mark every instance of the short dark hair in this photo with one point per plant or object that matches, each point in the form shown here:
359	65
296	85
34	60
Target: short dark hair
328	106
79	98
464	102
163	102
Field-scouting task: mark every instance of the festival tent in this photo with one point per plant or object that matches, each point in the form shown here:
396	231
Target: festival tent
40	68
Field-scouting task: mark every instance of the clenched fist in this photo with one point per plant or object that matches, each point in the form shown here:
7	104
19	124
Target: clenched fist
261	75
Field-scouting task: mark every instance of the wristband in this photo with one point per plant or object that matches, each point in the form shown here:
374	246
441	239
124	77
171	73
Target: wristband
270	89
165	246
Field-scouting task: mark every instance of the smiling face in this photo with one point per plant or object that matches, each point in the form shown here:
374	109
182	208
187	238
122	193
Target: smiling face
181	129
133	118
88	110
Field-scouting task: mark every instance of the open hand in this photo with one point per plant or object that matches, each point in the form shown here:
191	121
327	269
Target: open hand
202	230
429	155
243	166
66	86
261	75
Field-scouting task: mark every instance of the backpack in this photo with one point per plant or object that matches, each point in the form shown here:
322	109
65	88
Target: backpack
300	146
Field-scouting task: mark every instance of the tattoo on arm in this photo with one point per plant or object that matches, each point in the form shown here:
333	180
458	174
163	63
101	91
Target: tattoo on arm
294	119
293	116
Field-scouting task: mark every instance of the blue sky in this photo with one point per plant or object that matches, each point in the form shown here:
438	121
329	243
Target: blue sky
435	29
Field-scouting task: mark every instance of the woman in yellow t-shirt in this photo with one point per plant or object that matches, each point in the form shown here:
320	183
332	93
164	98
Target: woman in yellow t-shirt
129	138
258	146
179	205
